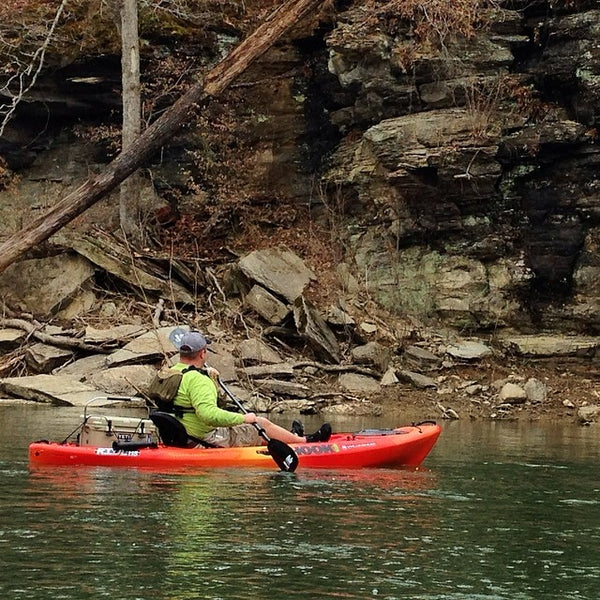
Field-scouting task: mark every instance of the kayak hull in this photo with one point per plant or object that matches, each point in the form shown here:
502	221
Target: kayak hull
404	446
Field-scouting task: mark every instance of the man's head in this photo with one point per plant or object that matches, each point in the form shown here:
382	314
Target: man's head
193	343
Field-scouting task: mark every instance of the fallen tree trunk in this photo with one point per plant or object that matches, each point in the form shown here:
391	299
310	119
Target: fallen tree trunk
60	341
97	186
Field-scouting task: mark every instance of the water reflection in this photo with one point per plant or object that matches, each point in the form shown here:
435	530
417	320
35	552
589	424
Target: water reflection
500	511
285	535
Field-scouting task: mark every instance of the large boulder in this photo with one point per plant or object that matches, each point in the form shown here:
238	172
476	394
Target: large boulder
277	270
52	389
44	286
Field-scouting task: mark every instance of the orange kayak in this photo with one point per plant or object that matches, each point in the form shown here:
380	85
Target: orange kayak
404	446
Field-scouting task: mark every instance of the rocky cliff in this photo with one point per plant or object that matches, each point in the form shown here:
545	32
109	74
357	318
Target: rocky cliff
453	165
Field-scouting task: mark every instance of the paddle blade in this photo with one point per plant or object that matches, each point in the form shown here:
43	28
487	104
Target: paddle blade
283	455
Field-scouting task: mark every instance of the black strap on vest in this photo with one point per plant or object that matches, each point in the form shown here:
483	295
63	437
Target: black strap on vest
179	411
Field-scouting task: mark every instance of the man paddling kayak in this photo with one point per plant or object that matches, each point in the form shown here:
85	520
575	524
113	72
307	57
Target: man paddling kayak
210	425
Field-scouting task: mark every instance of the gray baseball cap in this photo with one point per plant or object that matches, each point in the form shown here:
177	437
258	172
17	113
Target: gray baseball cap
192	342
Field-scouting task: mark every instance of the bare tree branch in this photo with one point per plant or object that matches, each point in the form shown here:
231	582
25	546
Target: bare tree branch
53	340
97	186
26	78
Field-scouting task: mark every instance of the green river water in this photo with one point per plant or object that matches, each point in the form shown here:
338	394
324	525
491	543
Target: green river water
498	511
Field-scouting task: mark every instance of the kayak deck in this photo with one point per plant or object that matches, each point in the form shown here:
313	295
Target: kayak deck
404	446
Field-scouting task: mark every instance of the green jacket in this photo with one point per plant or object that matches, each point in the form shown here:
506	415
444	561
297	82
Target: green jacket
199	392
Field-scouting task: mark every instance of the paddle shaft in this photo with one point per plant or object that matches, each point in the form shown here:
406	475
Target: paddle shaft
285	457
260	430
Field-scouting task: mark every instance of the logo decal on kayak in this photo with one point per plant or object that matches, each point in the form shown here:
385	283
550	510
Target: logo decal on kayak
110	451
317	449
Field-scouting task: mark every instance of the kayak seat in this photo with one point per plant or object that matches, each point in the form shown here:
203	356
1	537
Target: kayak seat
171	430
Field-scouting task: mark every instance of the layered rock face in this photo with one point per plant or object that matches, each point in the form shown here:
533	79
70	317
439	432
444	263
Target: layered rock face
462	173
479	166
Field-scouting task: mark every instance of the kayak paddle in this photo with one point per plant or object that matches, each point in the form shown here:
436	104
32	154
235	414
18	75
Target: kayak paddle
283	455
